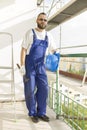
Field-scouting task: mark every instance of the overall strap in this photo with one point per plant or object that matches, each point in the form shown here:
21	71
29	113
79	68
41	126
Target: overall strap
34	35
46	39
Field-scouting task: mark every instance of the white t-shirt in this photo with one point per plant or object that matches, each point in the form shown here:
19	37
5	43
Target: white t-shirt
28	40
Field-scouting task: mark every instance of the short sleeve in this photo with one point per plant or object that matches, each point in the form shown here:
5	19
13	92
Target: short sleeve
51	43
28	40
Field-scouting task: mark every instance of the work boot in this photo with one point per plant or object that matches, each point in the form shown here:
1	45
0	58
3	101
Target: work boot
34	119
44	118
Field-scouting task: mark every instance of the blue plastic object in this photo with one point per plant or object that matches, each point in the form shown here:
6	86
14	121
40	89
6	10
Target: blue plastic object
52	62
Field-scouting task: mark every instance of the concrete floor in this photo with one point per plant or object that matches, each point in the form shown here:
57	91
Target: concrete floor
16	118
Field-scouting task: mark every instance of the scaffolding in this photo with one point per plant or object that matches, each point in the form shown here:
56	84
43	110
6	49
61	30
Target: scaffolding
7	87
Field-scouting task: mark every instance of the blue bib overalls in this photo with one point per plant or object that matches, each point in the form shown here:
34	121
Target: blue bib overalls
36	88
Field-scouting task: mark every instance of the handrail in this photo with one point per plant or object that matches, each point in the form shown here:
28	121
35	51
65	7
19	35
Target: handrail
71	111
85	45
74	55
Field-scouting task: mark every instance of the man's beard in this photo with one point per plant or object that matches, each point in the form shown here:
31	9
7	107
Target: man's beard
41	26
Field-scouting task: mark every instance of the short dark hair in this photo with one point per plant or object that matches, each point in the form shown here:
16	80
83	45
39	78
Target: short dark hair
42	13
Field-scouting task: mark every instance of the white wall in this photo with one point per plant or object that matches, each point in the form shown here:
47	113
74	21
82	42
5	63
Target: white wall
15	19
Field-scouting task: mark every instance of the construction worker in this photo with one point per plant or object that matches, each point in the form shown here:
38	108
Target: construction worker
34	47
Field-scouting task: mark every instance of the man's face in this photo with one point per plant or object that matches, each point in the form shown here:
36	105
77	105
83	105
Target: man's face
42	21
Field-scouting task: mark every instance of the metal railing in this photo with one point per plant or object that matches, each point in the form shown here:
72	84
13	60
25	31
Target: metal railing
3	67
71	111
7	85
52	6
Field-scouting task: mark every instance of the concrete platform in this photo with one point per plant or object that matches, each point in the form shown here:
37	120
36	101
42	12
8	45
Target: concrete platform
21	121
14	116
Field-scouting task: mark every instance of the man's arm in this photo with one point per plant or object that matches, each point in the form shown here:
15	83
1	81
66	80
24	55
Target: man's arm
22	58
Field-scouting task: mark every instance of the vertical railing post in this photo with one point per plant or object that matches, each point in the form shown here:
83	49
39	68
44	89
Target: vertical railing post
57	95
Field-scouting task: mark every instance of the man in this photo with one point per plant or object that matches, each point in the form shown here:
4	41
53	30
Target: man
34	47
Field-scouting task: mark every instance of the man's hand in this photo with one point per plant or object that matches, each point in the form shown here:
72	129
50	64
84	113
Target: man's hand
22	70
53	51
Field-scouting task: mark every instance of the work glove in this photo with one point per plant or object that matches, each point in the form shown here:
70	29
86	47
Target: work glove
22	70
